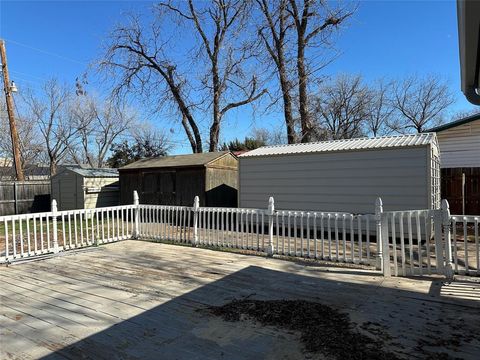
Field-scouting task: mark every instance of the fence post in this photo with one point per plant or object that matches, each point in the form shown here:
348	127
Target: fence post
271	212
438	238
447	224
196	205
15	197
387	271
136	203
54	226
378	220
97	238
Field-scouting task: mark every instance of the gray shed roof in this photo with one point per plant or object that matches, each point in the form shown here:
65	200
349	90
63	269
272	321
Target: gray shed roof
345	145
201	159
93	172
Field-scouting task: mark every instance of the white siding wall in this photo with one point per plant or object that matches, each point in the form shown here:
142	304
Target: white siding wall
460	146
104	197
340	181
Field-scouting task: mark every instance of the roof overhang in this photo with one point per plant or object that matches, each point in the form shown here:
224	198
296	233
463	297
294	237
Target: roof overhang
468	14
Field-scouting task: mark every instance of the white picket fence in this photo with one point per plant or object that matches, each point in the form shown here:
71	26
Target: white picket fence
399	243
320	235
465	237
27	235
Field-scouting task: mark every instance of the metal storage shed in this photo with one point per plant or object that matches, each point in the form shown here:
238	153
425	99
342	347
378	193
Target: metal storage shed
177	179
75	187
344	175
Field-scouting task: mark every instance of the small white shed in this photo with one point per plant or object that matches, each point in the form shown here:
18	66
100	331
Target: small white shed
344	175
75	187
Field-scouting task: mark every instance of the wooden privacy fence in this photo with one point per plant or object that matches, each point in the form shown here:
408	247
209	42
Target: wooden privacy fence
20	197
399	243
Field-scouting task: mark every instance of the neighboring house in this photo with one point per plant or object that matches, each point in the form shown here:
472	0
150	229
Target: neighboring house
75	187
5	162
459	143
344	175
31	172
176	180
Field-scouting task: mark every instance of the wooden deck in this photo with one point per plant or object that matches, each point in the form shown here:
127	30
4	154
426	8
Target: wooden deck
142	300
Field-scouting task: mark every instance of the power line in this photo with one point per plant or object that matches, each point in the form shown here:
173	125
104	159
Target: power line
16	108
47	52
19	79
29	75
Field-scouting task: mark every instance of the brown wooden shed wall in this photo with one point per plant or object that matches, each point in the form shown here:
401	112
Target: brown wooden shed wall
164	186
215	183
170	186
221	180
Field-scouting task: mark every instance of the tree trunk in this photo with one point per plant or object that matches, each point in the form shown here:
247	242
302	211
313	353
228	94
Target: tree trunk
287	102
217	117
53	166
303	92
187	118
278	56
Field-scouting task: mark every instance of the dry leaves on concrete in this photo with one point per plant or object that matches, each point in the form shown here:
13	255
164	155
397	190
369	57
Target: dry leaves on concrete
322	329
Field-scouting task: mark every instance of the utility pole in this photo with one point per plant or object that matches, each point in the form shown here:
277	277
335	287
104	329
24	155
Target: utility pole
11	116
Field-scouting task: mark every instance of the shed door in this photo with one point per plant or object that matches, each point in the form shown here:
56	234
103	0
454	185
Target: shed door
159	188
167	190
149	188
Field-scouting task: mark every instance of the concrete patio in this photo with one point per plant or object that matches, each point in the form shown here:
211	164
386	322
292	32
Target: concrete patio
142	300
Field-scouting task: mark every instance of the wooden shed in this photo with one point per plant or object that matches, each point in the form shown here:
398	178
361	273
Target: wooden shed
177	179
344	175
459	143
75	187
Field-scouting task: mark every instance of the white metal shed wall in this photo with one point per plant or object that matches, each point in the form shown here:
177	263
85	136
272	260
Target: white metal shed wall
75	191
64	190
348	181
460	146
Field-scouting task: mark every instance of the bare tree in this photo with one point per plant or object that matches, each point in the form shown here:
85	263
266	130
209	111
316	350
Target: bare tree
31	146
379	118
274	33
268	136
314	22
146	132
100	123
421	101
50	111
465	113
341	108
138	59
144	141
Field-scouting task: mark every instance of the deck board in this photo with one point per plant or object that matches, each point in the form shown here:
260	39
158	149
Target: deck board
137	299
